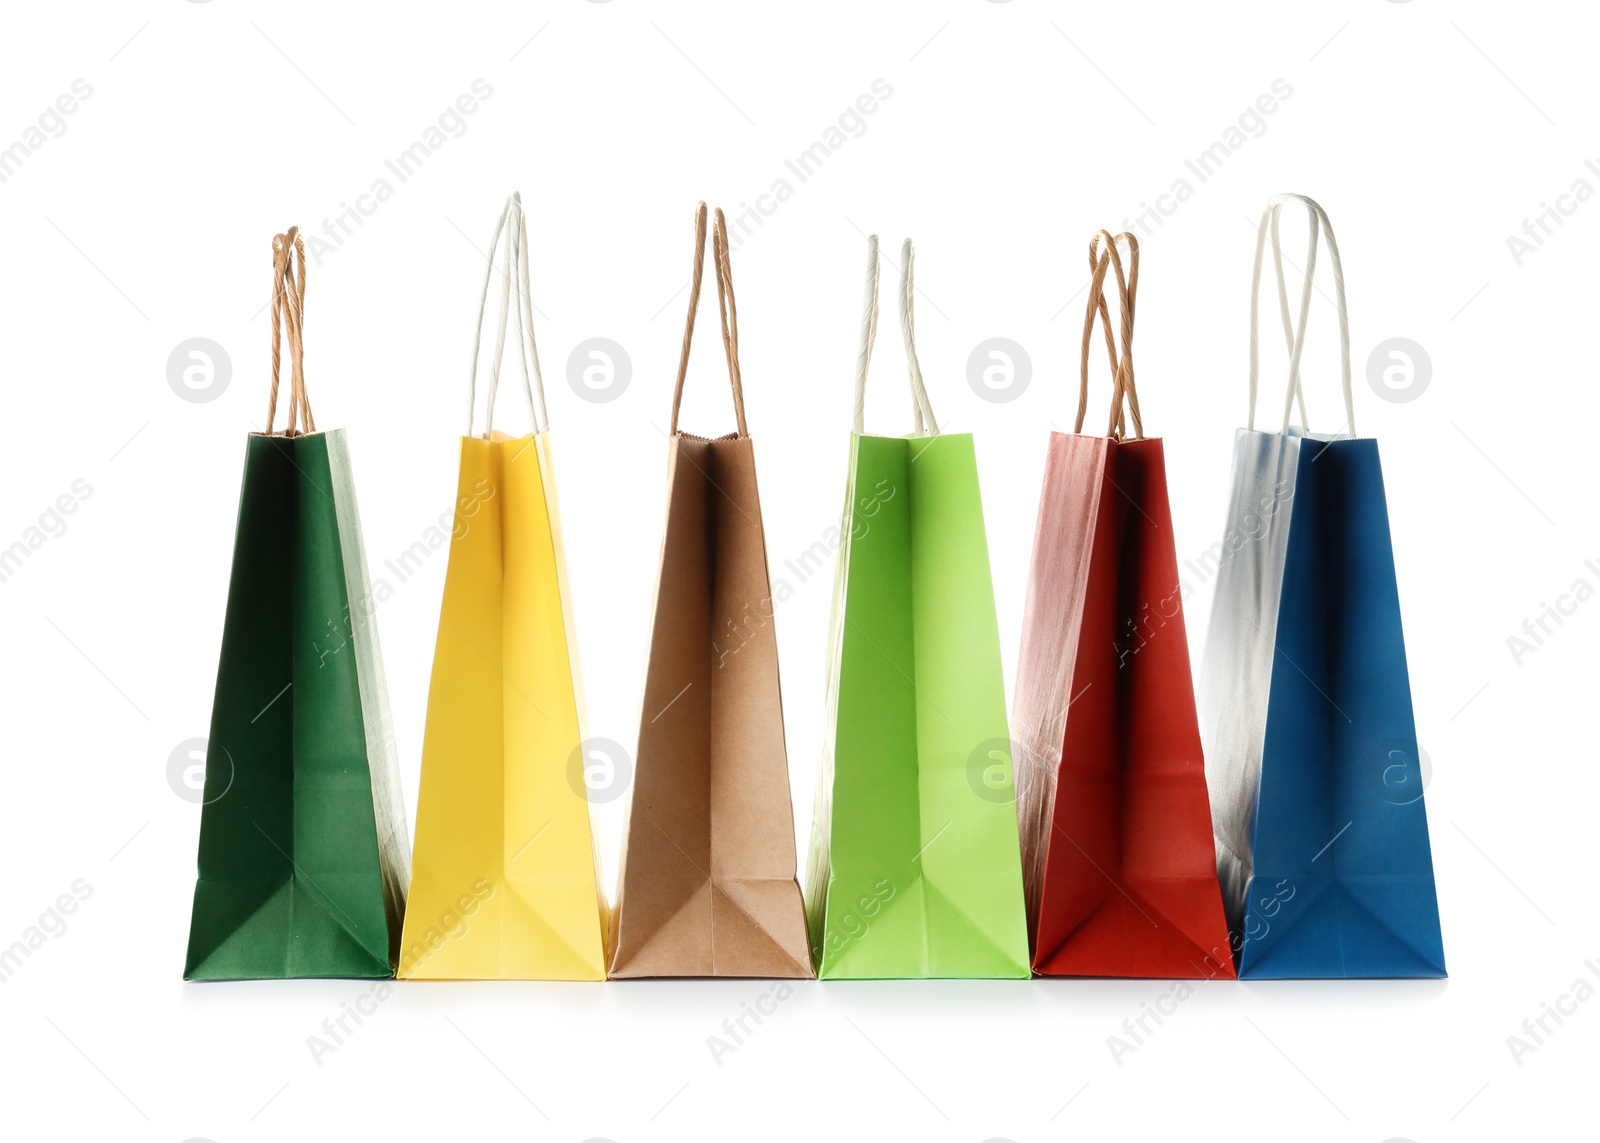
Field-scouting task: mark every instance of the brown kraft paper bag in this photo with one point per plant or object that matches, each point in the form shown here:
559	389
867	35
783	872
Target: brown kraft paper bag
708	884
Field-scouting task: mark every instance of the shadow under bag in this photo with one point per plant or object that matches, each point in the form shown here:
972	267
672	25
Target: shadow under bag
1311	746
1117	851
303	848
708	885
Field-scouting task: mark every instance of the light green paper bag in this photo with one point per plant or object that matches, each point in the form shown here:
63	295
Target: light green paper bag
915	868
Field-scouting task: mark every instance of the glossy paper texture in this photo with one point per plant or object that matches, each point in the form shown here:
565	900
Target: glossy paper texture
914	866
1117	847
1322	836
504	882
303	849
708	884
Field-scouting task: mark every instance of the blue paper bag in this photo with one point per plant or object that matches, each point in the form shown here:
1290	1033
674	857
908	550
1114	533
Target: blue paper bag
1311	747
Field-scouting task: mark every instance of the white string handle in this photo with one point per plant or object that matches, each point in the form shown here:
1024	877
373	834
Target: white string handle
921	410
869	332
514	277
1295	335
1283	300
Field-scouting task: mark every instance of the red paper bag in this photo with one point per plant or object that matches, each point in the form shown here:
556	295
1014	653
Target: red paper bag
1117	854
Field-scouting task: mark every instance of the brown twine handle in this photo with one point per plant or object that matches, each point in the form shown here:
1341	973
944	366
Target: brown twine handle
1123	389
727	311
289	309
1098	269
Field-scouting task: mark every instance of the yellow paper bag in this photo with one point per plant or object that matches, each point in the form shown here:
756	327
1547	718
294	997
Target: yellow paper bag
504	878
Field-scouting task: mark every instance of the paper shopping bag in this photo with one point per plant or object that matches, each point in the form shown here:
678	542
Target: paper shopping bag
503	883
303	849
1117	855
1311	747
914	868
708	885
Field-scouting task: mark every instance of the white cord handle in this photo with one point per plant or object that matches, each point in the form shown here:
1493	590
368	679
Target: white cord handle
514	274
1295	335
869	332
921	410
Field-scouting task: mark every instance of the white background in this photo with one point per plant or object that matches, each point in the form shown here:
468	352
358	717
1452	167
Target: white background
1429	132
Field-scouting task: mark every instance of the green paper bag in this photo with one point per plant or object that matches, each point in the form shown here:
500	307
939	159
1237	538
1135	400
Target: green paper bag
304	856
915	869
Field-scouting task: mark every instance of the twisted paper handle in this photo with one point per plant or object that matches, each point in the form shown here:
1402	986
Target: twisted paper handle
921	411
1123	391
1295	333
289	310
727	311
516	296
